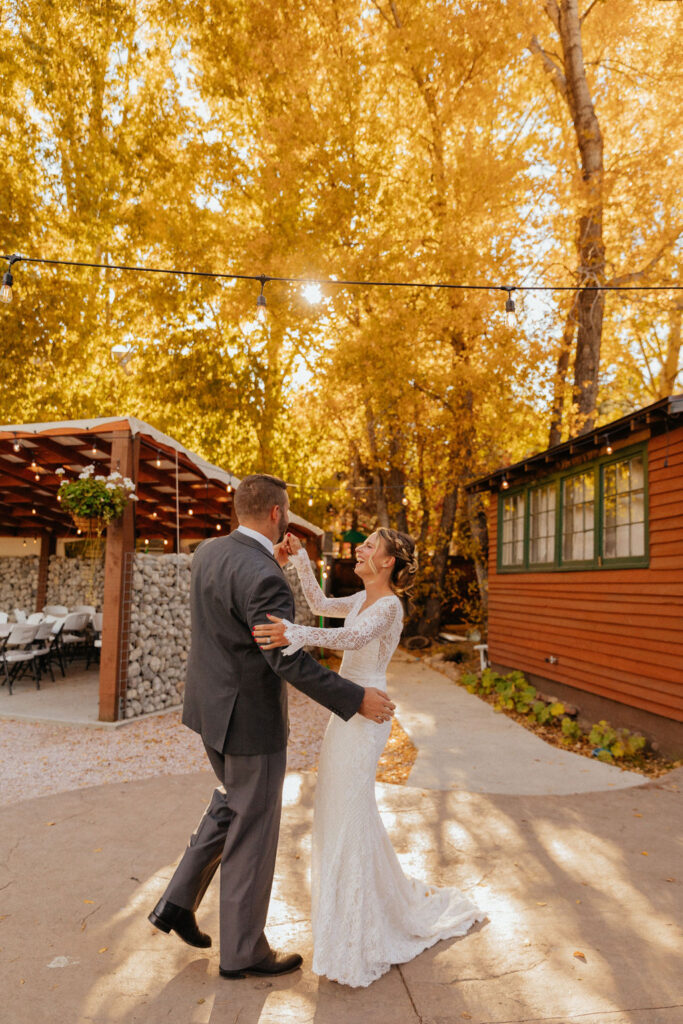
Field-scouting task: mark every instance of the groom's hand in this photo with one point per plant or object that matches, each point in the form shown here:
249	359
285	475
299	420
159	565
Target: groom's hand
376	705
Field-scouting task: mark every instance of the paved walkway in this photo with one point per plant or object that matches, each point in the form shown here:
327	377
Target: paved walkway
592	873
464	744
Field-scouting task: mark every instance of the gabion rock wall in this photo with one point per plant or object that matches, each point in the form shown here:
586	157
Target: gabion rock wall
159	637
18	583
74	581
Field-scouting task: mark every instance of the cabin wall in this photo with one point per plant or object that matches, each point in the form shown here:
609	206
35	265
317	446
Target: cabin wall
616	633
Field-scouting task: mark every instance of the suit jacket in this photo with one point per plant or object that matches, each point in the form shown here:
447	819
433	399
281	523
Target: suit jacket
235	693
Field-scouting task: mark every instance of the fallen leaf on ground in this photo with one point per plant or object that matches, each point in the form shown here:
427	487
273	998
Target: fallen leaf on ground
467	1016
103	950
644	853
579	955
88	901
50	822
200	1001
541	904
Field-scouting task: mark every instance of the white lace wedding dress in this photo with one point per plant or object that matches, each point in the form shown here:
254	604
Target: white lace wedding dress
366	914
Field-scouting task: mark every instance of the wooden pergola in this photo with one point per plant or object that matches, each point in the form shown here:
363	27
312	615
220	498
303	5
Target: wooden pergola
181	498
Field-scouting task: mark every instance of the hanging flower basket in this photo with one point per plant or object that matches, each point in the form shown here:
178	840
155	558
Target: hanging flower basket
89	524
95	501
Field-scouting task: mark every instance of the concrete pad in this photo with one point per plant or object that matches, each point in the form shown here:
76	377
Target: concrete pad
71	700
596	873
464	744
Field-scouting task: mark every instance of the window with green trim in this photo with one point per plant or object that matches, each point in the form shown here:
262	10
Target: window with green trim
578	517
542	501
593	517
512	547
623	534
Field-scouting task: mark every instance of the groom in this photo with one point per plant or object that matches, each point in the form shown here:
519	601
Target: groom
236	699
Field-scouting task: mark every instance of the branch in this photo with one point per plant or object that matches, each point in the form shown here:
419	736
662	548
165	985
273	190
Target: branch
638	275
588	10
554	70
553	12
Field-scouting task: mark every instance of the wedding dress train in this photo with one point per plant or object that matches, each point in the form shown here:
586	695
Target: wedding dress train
366	914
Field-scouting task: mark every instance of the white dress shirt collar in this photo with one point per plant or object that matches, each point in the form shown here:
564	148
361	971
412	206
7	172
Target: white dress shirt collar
260	537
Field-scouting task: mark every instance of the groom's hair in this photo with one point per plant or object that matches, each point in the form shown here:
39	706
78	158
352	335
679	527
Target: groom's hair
256	495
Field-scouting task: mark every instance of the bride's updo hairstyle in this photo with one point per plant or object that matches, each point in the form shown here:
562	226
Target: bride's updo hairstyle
401	547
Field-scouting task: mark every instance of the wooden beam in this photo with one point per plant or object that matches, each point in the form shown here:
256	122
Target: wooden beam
47	545
117	587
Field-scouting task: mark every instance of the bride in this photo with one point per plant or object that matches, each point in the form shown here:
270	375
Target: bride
366	914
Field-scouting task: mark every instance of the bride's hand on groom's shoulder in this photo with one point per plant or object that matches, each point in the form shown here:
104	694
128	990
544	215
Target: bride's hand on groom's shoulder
376	705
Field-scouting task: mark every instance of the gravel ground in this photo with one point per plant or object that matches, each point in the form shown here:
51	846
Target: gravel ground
38	759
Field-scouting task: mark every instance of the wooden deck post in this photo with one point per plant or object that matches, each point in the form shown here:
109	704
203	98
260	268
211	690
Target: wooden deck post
47	546
117	583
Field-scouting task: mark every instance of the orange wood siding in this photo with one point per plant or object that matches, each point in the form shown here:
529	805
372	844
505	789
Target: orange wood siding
617	633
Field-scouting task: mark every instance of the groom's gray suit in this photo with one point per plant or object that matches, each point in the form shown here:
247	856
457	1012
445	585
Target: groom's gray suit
236	699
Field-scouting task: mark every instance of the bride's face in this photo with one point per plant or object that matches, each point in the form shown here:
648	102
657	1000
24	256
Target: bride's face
371	557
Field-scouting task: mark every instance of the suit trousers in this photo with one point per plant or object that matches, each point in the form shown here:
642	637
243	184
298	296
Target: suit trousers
239	831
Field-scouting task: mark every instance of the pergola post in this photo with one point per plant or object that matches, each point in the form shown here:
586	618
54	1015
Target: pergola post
47	545
117	585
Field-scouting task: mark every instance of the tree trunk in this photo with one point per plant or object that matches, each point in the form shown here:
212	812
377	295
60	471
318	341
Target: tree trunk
590	244
430	619
669	371
557	415
479	528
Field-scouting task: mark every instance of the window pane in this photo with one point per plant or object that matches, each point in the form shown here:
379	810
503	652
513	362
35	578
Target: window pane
578	518
512	548
542	524
624	509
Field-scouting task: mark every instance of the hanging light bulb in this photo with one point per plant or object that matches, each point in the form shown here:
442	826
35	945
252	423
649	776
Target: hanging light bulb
261	307
94	449
505	483
33	512
609	449
37	476
219	527
8	280
229	488
190	512
165	543
310	502
17	444
404	501
158	462
34	464
510	314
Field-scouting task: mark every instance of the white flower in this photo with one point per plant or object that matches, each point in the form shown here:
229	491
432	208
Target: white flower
133	497
115	475
127	482
59	472
83	475
100	478
110	487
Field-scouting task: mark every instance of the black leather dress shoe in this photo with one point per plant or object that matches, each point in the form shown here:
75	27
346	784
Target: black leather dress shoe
170	918
271	965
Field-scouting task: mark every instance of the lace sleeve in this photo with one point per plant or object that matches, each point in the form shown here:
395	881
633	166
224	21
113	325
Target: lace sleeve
333	607
375	623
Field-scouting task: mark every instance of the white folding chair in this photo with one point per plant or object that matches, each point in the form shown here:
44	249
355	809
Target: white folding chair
44	647
4	617
17	654
96	626
59	610
73	633
19	614
35	617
